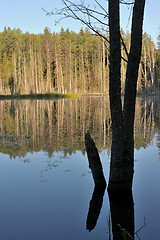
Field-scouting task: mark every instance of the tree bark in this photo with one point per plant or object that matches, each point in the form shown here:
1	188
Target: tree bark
94	162
131	86
122	215
117	150
104	67
122	152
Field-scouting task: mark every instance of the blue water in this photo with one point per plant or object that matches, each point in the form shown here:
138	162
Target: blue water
46	197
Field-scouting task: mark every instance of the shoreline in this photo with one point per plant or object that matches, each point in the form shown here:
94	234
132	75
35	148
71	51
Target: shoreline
39	96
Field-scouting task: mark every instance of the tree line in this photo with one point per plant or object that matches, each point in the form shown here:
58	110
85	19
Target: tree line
68	62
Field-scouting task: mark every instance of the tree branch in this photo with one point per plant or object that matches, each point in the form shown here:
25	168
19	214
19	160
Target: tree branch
126	3
74	11
124	45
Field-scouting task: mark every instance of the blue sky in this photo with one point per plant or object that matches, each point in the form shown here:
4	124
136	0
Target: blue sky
28	16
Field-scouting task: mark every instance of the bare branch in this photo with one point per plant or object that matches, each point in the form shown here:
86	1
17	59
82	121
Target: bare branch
124	45
75	11
92	18
102	8
89	13
126	2
87	16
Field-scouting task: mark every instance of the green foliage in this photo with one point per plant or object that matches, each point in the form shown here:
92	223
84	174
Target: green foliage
65	62
158	42
125	234
11	84
37	96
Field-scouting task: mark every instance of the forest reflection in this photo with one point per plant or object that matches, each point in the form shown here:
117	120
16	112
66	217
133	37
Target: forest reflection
60	125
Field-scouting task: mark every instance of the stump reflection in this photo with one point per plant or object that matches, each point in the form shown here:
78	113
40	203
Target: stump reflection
121	203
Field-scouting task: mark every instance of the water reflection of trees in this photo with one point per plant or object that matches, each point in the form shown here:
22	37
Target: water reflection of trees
145	121
60	125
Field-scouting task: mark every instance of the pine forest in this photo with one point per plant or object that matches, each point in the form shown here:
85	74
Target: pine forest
68	62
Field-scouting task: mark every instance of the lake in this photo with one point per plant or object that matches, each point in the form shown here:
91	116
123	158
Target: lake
45	181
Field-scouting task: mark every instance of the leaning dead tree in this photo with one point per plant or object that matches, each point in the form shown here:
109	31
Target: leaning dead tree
99	20
94	162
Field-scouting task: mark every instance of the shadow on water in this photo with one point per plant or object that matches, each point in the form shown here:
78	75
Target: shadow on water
121	204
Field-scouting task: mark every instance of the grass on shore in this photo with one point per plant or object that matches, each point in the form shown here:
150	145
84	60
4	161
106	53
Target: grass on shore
38	96
61	96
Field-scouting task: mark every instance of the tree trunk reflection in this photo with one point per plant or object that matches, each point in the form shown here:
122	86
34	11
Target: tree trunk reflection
95	206
122	215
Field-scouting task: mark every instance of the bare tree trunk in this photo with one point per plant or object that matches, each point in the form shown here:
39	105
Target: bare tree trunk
145	70
31	81
40	73
70	69
104	70
101	72
36	74
151	64
0	80
117	150
19	72
82	73
122	152
75	76
15	70
131	86
25	76
48	88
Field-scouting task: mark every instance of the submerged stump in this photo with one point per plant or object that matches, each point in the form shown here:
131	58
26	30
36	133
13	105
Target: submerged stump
94	161
99	181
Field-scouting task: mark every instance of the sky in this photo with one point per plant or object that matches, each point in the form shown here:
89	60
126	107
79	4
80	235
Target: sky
29	16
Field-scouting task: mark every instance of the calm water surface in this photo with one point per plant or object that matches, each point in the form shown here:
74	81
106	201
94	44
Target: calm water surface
45	181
